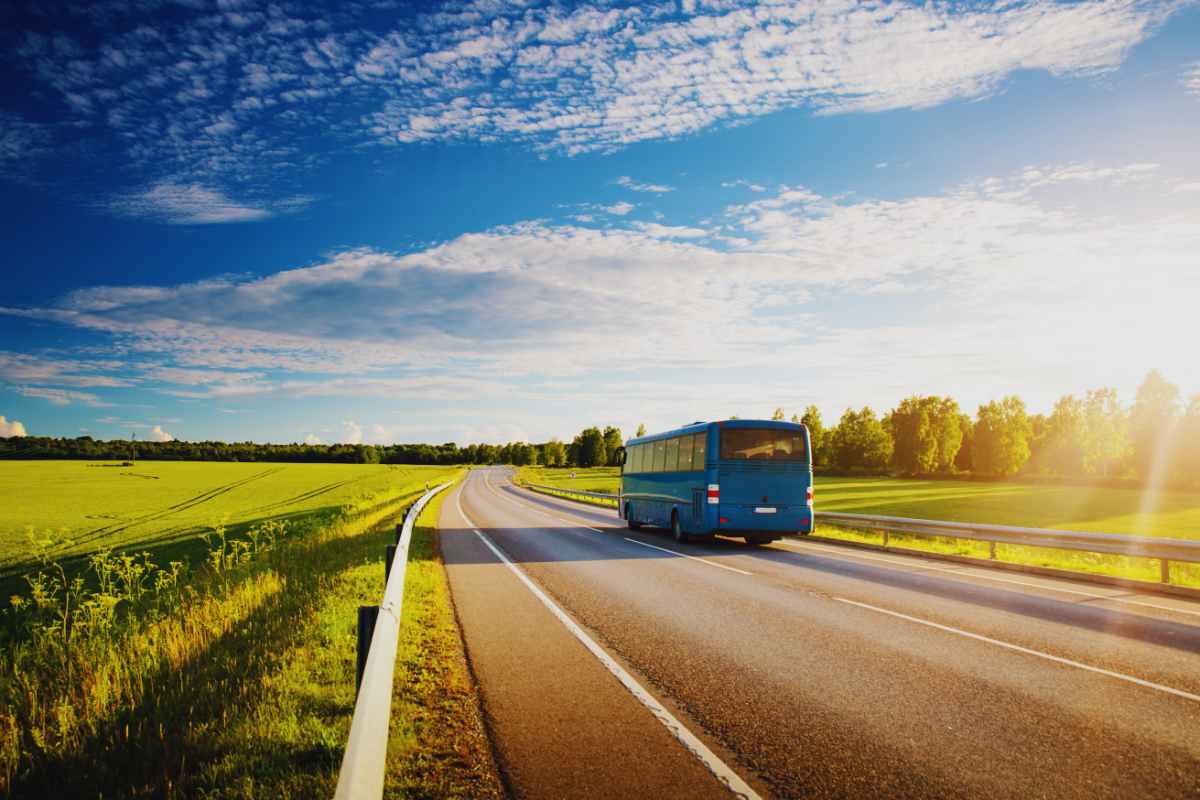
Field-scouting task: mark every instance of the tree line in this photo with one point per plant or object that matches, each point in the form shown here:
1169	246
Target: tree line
1093	435
592	447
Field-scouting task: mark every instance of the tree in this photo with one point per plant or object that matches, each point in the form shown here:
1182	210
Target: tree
641	431
926	433
966	450
1189	441
915	449
612	442
592	452
816	434
860	441
779	416
1001	437
1060	449
1151	424
1106	432
555	453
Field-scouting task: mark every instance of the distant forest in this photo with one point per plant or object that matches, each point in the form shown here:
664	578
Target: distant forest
1092	436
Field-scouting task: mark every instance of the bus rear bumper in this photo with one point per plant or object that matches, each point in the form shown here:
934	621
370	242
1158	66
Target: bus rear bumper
752	520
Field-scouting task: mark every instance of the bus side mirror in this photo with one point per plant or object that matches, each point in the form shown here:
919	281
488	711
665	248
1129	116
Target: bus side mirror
620	457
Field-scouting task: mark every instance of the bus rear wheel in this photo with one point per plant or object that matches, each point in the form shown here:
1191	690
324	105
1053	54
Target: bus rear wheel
756	541
633	524
677	528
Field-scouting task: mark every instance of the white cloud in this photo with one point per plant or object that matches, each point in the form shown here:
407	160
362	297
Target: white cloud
1187	187
312	439
670	231
632	185
1007	262
352	432
754	187
9	429
186	204
219	97
1191	79
619	209
23	368
157	434
61	397
20	142
633	74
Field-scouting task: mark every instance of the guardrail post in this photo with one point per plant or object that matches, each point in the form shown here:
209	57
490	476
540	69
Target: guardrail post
1166	570
399	529
992	550
366	629
388	557
885	537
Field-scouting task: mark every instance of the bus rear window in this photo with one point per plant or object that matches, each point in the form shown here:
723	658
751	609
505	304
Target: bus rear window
765	444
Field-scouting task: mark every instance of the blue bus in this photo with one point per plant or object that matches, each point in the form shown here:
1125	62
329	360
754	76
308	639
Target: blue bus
748	478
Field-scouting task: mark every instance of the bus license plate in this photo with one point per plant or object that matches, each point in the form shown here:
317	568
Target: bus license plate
764	510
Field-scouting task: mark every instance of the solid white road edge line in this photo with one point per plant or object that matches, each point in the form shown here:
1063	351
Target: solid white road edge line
576	523
715	765
693	558
1018	648
917	562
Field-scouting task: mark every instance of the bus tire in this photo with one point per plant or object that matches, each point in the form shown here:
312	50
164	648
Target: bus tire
677	529
756	541
633	524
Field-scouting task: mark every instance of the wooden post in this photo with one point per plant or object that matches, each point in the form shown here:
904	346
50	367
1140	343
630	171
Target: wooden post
366	629
992	550
1166	570
389	557
885	537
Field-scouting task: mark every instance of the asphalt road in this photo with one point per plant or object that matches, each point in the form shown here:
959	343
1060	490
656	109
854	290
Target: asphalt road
806	670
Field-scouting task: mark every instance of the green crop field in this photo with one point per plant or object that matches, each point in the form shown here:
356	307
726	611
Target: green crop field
86	506
196	635
1175	514
1086	508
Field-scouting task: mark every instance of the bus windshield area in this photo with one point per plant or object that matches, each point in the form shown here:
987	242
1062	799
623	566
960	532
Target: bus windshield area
767	444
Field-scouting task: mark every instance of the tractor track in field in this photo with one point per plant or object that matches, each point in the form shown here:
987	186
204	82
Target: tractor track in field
309	495
185	505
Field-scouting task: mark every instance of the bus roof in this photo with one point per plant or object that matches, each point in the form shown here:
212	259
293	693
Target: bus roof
700	427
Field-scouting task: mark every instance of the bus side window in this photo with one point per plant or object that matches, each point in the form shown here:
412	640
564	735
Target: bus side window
638	450
685	454
672	455
660	452
699	446
643	463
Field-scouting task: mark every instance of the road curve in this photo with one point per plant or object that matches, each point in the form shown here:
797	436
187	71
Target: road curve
808	670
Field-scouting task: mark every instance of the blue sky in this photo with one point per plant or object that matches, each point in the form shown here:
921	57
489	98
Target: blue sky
493	221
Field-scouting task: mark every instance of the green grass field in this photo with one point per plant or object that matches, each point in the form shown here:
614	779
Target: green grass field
1082	508
1175	514
230	675
156	505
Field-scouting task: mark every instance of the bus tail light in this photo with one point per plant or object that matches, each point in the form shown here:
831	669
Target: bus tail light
810	496
714	494
723	520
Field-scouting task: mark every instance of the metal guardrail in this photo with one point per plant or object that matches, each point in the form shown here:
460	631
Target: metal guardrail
1165	550
572	492
365	760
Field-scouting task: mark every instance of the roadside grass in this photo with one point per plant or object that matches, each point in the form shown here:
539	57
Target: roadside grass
1107	510
227	680
587	479
438	746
